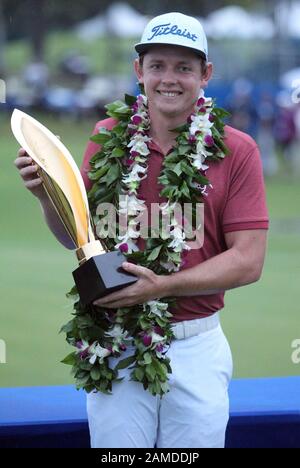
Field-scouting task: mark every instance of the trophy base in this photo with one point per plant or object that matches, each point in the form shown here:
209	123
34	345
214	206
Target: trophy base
101	275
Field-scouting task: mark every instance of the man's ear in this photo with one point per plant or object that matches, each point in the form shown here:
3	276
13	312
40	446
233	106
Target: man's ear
207	75
138	71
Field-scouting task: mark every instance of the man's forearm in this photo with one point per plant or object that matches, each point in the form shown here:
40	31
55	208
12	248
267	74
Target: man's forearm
54	223
226	271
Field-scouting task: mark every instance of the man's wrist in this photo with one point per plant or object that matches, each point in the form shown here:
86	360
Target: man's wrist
166	286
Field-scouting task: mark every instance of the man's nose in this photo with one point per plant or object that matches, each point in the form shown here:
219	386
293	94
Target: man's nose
169	77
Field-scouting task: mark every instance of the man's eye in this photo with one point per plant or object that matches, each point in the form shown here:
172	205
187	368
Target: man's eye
185	69
155	67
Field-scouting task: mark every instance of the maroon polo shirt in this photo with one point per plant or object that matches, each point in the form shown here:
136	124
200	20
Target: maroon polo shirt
237	202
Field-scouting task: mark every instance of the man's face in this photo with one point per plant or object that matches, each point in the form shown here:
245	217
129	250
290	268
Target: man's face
172	77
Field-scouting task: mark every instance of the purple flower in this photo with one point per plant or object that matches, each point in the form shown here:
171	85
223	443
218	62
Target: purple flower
209	141
122	347
159	330
201	102
202	110
159	348
136	120
192	139
147	340
131	131
140	100
211	118
84	354
134	154
129	162
135	107
124	248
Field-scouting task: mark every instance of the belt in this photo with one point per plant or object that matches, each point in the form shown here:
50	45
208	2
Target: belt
189	328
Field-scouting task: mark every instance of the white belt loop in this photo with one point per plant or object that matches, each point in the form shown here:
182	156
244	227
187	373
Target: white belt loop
189	328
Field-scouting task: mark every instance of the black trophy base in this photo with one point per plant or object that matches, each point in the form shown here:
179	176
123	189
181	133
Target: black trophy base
100	276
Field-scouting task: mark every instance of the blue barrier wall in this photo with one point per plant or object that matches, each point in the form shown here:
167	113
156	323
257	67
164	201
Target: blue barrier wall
265	413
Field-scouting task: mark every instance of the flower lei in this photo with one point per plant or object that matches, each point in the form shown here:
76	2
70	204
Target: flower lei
118	169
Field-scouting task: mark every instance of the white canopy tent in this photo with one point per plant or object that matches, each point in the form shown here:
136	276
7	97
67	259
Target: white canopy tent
120	20
236	22
287	16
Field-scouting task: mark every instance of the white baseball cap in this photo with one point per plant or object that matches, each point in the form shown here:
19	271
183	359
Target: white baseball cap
174	29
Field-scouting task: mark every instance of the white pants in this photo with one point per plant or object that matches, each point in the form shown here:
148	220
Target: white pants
194	414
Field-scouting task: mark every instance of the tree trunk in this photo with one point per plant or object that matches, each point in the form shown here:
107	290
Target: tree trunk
36	26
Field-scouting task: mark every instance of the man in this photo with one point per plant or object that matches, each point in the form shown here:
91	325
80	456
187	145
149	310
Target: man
173	68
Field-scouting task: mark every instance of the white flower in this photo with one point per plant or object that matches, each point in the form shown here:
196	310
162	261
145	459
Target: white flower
168	209
170	267
119	335
96	351
178	243
200	123
202	150
117	332
156	338
134	176
131	205
198	162
156	307
138	143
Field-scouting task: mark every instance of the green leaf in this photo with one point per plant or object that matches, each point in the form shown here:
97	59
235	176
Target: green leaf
124	363
187	169
139	374
69	360
150	372
184	149
144	324
102	161
95	373
113	174
147	358
97	175
100	139
68	328
185	190
72	293
118	153
155	254
130	100
178	169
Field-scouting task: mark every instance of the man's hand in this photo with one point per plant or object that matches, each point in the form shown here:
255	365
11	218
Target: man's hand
29	173
148	287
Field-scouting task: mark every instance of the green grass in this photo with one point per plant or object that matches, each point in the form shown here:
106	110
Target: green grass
261	320
106	55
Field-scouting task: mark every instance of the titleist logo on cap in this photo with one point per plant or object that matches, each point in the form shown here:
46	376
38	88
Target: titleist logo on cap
166	29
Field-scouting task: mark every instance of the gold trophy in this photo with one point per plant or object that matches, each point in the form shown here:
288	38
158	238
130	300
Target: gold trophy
99	272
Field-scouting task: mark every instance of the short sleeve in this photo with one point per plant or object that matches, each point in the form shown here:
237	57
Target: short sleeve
246	206
91	149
